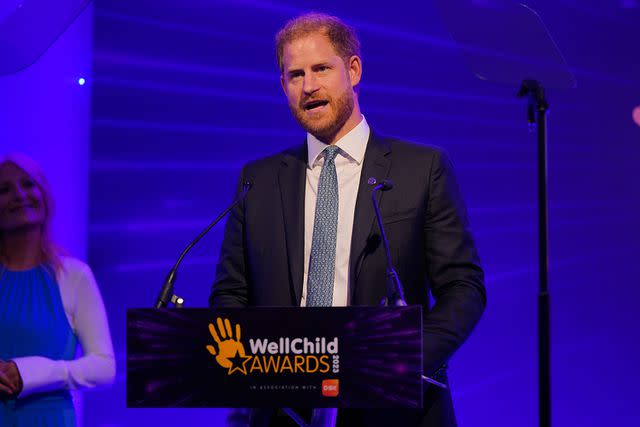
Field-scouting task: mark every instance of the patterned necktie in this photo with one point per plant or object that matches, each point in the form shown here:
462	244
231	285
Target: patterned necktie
322	263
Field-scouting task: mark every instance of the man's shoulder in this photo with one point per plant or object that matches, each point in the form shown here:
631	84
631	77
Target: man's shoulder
294	154
410	149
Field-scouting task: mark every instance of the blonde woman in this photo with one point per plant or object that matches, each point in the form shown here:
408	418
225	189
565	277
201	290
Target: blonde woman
49	305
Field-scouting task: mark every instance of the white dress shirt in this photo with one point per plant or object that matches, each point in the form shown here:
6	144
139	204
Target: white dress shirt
348	168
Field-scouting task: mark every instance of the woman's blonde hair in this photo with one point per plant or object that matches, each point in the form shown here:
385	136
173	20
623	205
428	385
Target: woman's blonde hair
49	251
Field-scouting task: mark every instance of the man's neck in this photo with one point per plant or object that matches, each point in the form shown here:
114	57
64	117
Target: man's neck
354	120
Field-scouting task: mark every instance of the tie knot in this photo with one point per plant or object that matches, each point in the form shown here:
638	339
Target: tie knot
330	153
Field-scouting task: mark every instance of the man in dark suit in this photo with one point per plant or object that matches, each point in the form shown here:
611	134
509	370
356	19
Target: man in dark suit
306	234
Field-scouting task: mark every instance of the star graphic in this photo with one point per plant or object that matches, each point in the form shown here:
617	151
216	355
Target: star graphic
238	363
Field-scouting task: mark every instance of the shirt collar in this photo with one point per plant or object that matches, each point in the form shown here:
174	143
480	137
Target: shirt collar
353	144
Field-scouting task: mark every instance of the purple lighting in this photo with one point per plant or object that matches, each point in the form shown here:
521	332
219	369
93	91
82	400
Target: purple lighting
399	368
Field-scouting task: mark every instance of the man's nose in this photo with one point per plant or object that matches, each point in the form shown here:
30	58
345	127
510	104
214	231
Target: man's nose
310	84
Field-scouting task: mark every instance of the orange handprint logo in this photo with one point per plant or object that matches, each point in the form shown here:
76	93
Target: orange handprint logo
230	353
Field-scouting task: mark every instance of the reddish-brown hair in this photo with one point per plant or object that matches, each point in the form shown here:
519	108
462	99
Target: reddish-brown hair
343	38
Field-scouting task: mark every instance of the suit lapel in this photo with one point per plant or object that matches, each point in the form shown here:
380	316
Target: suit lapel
291	179
377	162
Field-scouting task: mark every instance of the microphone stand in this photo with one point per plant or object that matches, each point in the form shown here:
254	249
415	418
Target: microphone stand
166	293
537	107
326	417
395	292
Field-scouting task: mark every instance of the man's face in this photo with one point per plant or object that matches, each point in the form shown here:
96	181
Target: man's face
319	85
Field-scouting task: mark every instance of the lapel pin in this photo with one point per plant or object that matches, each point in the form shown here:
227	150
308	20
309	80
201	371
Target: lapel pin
372	181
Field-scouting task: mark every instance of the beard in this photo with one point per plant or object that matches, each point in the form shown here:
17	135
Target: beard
327	124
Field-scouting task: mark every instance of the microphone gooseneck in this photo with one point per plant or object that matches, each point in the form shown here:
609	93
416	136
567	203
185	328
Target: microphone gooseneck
166	293
395	292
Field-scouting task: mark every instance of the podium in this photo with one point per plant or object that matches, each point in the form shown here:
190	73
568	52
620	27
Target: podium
313	357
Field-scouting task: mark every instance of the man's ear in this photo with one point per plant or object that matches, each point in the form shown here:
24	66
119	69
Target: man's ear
355	70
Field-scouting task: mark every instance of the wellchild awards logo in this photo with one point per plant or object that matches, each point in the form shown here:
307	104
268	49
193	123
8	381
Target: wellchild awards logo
293	355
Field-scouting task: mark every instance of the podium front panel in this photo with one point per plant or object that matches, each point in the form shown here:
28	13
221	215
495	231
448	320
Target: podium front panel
345	357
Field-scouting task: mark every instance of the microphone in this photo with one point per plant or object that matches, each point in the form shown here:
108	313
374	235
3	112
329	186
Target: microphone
166	293
385	184
395	293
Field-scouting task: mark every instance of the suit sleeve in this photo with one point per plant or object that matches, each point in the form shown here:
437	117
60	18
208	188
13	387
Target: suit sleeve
455	275
230	287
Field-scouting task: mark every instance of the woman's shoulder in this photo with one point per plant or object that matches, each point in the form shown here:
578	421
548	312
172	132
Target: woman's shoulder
73	264
74	270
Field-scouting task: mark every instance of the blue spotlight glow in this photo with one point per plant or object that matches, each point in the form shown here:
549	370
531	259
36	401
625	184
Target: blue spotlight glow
81	81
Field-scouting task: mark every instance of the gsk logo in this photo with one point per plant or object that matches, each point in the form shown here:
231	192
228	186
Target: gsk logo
330	388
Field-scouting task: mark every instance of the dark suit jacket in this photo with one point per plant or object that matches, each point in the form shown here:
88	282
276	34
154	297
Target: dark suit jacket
261	259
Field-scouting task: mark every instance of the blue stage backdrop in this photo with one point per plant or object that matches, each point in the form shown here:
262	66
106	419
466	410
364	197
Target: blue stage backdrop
184	93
